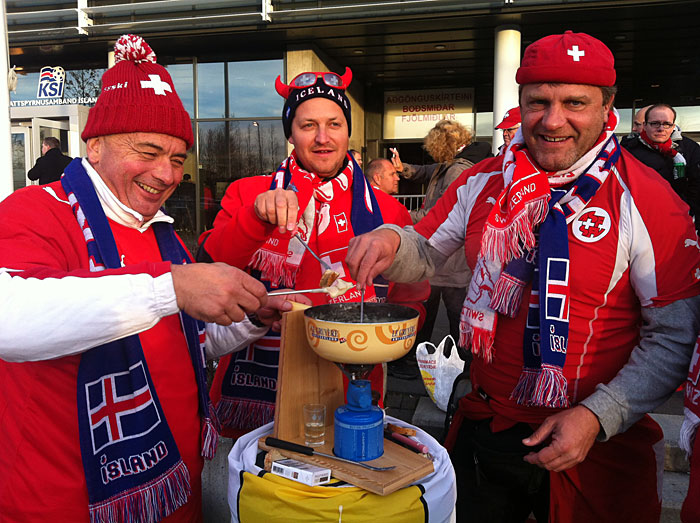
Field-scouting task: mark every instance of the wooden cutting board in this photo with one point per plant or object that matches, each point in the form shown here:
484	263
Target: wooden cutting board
303	377
410	466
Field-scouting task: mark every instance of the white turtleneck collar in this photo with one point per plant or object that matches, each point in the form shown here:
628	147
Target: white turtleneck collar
116	210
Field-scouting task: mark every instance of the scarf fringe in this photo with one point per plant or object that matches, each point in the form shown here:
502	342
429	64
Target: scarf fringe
505	244
210	439
147	503
507	295
244	414
550	389
273	268
481	341
525	387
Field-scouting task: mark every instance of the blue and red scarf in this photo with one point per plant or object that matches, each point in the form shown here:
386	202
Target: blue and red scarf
132	465
249	384
525	240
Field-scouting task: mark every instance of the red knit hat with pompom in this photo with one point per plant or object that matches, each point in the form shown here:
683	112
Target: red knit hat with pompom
137	95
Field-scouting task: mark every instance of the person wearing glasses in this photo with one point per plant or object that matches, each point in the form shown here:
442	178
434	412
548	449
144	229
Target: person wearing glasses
318	195
673	156
583	307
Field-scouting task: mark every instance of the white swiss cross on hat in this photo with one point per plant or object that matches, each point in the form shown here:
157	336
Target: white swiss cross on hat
155	83
576	53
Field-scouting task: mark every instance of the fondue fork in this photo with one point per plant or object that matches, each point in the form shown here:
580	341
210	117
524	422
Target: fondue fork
362	305
283	293
325	265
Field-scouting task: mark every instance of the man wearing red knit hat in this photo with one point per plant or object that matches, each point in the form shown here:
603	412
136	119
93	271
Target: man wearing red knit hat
582	311
104	408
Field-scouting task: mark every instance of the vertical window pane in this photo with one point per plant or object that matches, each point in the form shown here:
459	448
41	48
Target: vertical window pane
232	150
19	168
257	147
210	90
184	85
251	88
214	168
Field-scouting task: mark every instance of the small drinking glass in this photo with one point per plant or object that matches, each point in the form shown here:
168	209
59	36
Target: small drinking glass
314	424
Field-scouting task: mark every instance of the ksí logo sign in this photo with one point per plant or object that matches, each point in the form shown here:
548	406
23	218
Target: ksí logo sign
51	82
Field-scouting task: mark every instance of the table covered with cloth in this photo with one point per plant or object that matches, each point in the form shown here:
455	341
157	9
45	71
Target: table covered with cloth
255	495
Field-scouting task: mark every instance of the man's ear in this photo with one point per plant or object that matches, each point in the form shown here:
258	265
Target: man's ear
94	149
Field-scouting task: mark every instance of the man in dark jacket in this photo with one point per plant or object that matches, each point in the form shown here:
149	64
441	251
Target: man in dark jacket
675	157
50	165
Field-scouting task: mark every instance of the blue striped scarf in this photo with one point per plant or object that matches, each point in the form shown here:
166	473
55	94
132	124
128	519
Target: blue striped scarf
132	466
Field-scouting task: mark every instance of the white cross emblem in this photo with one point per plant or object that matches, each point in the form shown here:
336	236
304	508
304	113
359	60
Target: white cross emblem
576	53
155	83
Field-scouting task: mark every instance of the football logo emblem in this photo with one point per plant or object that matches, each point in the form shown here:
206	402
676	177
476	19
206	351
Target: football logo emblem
592	225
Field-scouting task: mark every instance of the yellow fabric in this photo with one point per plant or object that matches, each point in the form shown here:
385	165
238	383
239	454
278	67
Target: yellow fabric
272	498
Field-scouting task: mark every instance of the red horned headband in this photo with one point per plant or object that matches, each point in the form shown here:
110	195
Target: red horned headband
284	90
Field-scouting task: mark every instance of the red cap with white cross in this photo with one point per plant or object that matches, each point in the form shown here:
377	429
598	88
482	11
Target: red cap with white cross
572	58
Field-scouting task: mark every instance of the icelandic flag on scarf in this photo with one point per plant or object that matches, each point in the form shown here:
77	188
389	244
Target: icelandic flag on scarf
120	407
132	466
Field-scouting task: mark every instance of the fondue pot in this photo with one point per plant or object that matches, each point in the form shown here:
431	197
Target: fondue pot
386	333
335	333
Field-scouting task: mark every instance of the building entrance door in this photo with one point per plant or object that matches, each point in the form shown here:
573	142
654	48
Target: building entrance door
30	125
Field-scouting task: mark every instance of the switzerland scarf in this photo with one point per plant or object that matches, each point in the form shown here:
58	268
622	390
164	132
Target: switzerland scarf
131	463
525	240
669	149
250	381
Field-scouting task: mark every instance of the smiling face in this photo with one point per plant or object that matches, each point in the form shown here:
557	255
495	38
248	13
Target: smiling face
561	122
320	136
141	169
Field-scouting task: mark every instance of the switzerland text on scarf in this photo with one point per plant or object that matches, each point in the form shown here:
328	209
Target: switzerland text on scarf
132	465
250	381
526	239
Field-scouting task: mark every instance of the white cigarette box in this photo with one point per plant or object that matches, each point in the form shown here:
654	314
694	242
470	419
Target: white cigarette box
302	472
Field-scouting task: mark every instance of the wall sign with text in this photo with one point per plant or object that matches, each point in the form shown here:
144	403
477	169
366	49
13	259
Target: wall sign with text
411	114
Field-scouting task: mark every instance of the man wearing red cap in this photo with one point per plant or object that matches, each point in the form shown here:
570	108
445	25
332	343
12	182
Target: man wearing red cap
104	408
583	307
318	194
509	125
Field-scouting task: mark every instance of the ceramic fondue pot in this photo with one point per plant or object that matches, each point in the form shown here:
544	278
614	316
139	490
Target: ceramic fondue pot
335	333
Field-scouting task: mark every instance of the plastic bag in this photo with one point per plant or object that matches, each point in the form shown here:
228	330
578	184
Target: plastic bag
439	366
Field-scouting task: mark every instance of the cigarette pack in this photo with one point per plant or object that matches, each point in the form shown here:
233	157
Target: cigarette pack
302	472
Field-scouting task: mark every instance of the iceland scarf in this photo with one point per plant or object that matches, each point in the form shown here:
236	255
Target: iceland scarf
132	465
525	240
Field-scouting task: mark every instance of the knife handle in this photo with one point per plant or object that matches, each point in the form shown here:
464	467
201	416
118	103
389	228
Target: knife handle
288	445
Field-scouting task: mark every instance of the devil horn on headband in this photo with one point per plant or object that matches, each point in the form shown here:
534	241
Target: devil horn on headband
282	89
347	77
